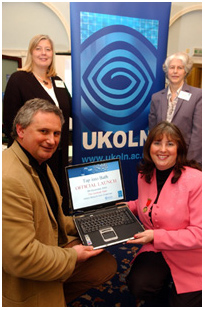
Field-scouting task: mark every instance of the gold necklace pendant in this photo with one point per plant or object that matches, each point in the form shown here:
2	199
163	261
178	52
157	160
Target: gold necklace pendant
44	81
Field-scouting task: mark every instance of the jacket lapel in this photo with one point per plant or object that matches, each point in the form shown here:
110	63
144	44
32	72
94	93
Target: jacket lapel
164	103
38	183
41	91
185	88
24	159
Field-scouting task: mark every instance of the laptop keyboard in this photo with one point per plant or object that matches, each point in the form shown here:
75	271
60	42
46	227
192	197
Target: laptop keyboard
110	218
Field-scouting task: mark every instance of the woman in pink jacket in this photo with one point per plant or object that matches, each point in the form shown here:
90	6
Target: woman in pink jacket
168	268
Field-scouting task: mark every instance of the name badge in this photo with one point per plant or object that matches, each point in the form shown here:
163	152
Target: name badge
184	95
59	84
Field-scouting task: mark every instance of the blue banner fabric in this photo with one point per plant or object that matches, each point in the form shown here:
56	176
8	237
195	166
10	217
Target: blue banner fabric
117	50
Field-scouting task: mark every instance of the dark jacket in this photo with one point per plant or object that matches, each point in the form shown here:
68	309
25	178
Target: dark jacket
23	86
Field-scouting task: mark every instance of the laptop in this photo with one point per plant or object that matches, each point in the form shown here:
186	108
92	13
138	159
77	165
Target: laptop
95	189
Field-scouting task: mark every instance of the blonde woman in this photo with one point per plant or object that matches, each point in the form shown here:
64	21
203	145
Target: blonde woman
38	79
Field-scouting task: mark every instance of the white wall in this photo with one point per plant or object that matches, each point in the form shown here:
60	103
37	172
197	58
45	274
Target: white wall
22	20
185	31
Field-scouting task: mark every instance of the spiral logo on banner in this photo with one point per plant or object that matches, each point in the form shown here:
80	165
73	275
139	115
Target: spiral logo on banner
118	68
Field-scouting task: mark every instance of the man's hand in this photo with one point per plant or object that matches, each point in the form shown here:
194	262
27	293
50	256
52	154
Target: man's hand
85	252
143	237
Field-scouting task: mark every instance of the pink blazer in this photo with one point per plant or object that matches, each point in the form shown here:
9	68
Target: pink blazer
177	225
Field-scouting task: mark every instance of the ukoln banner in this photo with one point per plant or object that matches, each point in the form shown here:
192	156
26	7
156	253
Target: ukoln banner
118	50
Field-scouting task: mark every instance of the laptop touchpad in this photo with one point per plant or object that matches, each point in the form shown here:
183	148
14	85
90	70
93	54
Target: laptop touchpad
108	234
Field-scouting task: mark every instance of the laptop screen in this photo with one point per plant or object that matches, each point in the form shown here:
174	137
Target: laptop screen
95	184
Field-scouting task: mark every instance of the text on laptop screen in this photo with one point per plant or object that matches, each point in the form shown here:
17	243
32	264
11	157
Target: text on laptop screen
95	184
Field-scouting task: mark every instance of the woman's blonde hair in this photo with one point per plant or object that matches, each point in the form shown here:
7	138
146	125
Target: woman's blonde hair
28	67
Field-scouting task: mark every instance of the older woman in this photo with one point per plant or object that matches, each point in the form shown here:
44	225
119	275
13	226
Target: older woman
38	79
169	206
180	104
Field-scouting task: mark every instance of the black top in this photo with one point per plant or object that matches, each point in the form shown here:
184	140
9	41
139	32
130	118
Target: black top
23	86
45	181
161	176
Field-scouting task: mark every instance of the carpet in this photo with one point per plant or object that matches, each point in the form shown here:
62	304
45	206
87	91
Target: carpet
113	293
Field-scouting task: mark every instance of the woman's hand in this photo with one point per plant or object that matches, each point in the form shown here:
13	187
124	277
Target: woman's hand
143	237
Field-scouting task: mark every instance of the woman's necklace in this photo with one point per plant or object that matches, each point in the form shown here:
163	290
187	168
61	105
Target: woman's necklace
44	82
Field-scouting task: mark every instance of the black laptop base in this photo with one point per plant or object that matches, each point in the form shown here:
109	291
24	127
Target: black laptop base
108	235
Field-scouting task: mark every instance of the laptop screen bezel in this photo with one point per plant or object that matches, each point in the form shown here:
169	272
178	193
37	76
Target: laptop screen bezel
100	205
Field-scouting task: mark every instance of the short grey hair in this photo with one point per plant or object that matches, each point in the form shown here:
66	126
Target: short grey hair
26	113
184	57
